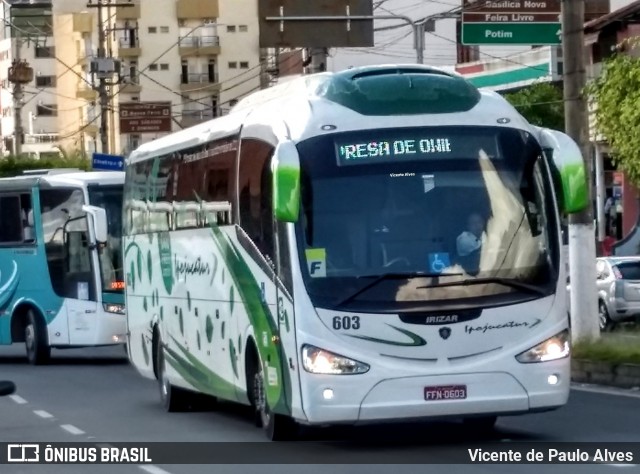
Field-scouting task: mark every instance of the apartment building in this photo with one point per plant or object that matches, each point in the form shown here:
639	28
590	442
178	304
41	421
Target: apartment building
196	55
193	57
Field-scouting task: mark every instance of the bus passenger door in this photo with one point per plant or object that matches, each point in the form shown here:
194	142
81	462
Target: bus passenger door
80	284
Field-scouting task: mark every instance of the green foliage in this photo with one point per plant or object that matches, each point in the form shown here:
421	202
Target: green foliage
608	350
541	104
14	166
616	95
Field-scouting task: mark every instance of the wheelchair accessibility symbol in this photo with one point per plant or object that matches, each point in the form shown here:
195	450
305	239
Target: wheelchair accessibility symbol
438	262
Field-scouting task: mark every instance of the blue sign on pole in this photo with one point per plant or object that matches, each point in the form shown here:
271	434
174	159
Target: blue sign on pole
101	161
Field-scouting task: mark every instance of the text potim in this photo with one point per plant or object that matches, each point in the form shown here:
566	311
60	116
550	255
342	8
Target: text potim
96	455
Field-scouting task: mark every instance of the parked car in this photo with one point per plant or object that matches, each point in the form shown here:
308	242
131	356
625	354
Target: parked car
618	286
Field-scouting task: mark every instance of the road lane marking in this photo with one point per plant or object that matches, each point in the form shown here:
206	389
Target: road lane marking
72	429
606	390
18	399
153	469
622	465
43	414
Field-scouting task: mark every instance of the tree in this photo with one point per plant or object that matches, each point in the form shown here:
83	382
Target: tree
616	97
12	166
541	104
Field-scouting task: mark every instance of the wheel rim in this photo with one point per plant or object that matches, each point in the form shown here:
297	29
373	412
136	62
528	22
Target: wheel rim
164	381
30	339
260	398
602	314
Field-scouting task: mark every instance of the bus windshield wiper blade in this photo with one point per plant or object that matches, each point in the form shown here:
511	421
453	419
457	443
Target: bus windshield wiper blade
390	276
511	282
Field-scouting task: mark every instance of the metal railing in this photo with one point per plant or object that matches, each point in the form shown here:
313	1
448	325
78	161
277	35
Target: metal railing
199	41
38	138
127	43
198	78
198	114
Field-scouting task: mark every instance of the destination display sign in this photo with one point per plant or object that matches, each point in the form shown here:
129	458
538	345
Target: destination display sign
415	145
521	22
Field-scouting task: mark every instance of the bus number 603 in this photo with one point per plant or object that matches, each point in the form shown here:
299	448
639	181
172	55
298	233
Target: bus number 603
346	322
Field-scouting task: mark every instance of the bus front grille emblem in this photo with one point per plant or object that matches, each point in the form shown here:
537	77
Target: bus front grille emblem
444	333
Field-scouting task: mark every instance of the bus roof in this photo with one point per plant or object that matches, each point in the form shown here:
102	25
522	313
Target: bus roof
368	94
75	179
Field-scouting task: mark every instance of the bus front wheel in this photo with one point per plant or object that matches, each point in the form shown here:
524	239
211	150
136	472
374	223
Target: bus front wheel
36	340
277	427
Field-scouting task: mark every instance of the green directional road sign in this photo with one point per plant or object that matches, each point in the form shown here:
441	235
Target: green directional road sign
511	33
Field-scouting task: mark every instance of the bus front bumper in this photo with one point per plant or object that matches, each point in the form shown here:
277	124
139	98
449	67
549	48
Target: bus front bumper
539	387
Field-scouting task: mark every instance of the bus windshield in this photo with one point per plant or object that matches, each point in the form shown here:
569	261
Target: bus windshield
110	199
426	217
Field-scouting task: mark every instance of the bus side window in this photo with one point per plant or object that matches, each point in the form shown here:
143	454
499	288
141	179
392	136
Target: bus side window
254	190
11	219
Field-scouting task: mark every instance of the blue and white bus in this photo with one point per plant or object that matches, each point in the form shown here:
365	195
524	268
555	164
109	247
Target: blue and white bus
61	282
378	244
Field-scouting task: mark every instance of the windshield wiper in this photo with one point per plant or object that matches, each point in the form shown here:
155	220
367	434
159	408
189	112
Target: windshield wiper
510	282
389	276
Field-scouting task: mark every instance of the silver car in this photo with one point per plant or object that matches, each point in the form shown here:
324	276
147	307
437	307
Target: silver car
618	282
618	286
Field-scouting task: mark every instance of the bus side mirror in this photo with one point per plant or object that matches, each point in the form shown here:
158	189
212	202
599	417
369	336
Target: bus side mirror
570	170
99	221
285	168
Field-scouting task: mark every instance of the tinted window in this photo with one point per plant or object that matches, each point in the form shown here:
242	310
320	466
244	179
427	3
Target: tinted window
255	194
629	270
11	219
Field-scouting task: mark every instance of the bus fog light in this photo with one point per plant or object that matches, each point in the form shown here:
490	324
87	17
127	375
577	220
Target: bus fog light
319	361
327	393
553	379
554	348
119	338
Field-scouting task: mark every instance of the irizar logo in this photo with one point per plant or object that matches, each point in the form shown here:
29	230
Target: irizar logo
445	319
445	333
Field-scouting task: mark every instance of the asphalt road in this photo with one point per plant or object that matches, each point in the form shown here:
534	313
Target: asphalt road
94	395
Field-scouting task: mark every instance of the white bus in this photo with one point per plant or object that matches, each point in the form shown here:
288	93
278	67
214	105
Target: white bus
61	278
377	244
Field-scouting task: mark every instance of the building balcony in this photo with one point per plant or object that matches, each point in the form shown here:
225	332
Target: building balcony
199	46
194	82
40	143
191	117
128	48
197	9
132	87
82	22
129	12
87	93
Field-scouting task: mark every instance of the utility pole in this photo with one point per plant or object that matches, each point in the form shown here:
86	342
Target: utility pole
582	254
104	67
19	74
102	88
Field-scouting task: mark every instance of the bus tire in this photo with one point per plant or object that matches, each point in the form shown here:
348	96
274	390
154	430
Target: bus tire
173	398
481	424
36	340
276	427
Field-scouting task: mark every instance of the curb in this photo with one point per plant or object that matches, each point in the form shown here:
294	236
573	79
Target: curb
605	373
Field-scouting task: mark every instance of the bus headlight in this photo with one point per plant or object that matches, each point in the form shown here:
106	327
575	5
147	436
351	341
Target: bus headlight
319	361
113	308
554	348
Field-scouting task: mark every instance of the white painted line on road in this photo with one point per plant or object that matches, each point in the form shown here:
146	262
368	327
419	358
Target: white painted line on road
606	390
153	469
72	429
18	399
622	465
43	414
